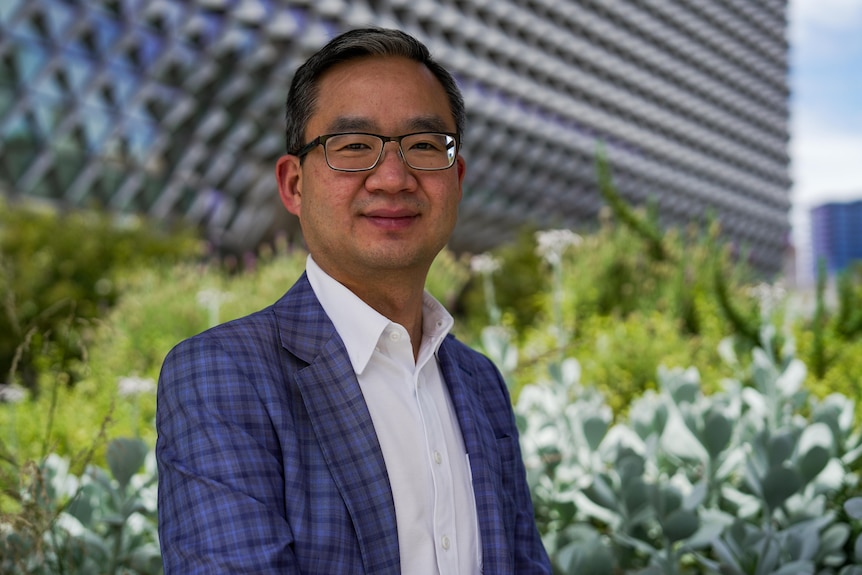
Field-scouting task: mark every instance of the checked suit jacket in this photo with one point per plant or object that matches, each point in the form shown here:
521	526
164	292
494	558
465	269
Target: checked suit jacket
269	462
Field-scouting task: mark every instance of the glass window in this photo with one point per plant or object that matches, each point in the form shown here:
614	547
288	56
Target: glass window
28	62
8	8
79	71
48	113
107	32
141	136
20	148
58	16
7	99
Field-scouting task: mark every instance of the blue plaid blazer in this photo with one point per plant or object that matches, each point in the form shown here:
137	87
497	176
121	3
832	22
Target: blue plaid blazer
269	463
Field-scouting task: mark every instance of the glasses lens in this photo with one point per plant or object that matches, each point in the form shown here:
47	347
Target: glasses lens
353	151
429	151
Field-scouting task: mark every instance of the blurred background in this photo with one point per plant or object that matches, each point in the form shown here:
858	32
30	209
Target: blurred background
826	123
749	113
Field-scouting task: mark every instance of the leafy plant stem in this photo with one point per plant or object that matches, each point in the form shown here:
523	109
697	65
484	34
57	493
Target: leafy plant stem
762	569
49	425
557	303
818	352
670	556
117	533
490	299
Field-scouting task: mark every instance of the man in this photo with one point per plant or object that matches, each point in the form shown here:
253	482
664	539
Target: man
342	430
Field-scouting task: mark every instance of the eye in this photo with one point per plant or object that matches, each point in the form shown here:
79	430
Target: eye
352	144
428	143
356	146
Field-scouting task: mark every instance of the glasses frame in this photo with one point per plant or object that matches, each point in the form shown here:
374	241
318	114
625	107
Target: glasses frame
321	141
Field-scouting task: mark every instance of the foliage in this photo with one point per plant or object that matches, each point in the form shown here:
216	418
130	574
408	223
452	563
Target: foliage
853	508
747	480
518	289
93	523
830	340
60	270
616	310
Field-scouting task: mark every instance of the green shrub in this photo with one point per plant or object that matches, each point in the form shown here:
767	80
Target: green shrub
830	339
79	525
519	289
622	314
58	271
748	480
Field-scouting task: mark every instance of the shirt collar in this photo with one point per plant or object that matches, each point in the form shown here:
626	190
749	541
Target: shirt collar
360	326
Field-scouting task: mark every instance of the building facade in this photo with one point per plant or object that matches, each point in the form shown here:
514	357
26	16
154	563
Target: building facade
172	108
836	235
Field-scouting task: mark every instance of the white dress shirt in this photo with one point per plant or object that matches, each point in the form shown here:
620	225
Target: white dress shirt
415	421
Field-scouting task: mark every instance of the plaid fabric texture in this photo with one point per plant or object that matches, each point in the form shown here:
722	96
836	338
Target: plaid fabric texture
268	460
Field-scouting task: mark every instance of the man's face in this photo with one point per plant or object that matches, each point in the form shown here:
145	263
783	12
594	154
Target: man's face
361	225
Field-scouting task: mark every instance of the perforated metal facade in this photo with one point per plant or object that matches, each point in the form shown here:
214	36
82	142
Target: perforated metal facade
173	108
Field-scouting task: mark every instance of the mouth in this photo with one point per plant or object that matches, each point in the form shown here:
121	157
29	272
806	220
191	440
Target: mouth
392	219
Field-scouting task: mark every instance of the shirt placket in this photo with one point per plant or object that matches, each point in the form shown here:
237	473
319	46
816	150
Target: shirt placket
445	536
437	454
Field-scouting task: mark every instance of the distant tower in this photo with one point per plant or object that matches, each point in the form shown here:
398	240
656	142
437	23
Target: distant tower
836	235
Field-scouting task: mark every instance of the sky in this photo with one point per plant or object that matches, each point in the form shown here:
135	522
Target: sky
826	111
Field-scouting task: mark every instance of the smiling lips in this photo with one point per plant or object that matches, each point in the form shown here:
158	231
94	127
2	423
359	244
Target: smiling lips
392	219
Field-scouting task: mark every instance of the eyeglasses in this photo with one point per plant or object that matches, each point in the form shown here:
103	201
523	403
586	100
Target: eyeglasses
358	152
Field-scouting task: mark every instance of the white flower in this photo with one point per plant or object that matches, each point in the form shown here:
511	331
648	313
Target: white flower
212	300
131	386
552	243
12	393
484	264
768	295
212	297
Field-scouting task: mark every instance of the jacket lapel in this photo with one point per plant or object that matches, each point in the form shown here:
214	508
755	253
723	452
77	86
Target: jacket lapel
480	442
342	425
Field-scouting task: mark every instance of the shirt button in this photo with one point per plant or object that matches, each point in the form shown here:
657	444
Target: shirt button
394	336
438	459
445	542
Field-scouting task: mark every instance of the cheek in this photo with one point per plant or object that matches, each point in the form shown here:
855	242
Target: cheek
326	207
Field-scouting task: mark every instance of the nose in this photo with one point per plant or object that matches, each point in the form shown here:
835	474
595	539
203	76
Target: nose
391	173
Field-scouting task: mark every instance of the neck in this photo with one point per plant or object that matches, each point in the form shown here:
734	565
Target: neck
396	295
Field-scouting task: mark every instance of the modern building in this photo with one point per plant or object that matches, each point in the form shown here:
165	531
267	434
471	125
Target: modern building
172	108
836	235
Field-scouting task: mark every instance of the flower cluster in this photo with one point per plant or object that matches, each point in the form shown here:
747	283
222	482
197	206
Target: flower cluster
768	295
12	394
484	264
552	243
132	386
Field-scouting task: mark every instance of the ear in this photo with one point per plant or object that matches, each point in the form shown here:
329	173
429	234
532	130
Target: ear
288	174
461	166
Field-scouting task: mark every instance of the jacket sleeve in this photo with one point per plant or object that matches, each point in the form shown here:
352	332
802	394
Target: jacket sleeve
221	487
530	554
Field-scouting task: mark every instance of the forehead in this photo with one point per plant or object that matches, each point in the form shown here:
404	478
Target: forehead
380	93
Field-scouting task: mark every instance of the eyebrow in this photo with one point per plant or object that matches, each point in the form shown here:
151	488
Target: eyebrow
429	123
